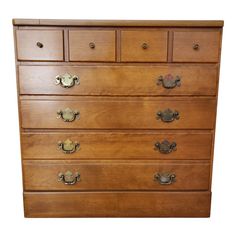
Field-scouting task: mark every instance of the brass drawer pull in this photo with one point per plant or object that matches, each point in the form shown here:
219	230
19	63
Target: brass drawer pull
169	81
68	178
196	46
92	45
165	147
165	178
167	115
67	80
39	44
68	146
68	115
145	46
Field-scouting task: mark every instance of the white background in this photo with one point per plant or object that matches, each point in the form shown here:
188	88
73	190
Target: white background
222	221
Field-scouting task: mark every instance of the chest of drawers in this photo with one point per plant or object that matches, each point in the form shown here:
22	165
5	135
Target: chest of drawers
117	118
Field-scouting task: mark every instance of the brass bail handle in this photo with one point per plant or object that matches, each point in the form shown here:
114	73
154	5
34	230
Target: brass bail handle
165	178
67	80
68	115
69	178
169	81
167	115
165	147
68	146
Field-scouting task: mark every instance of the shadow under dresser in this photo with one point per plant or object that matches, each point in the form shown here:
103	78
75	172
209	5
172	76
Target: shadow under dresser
117	118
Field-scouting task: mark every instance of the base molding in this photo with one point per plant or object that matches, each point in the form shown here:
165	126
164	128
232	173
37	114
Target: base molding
117	204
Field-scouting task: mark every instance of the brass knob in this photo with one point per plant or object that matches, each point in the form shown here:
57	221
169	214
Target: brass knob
39	44
165	178
196	46
69	178
92	45
144	45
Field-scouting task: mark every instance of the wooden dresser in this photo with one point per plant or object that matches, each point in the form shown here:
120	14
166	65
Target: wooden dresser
117	118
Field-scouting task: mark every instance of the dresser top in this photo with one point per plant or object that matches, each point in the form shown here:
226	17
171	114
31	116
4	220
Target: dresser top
140	23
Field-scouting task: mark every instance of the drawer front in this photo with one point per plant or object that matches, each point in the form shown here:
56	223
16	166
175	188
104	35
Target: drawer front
117	204
119	113
195	46
92	45
40	45
119	80
144	45
117	145
110	175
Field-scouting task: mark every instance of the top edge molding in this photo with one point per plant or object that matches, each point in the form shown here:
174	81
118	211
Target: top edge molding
114	23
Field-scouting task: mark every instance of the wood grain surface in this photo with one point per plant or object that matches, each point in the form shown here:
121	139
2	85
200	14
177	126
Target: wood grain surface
119	80
115	175
117	145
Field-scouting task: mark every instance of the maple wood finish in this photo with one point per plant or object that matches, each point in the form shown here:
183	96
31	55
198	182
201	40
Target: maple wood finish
39	45
118	113
143	45
119	204
196	46
115	175
117	145
92	45
119	80
117	118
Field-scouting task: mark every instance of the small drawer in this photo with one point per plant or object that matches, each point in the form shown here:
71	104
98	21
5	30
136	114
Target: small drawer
115	175
195	46
144	45
92	45
39	45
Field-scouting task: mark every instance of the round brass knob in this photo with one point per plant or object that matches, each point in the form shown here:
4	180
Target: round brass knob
39	44
92	45
196	46
144	45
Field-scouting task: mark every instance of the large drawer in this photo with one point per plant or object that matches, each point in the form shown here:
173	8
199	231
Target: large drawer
130	80
118	113
146	145
117	204
118	175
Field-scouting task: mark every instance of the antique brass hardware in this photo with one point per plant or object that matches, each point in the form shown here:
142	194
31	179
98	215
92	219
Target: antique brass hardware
68	178
165	178
169	81
196	46
67	80
167	115
39	44
92	45
68	146
165	147
68	115
144	45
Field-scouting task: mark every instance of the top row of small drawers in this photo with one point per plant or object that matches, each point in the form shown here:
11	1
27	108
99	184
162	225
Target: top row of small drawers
102	45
